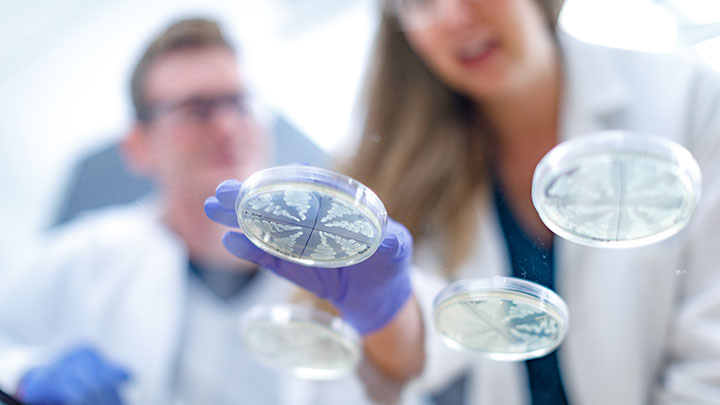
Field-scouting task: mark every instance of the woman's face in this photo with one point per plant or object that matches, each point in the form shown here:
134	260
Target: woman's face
484	49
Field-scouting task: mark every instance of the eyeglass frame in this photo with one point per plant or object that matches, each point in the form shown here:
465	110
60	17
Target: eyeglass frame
399	10
208	105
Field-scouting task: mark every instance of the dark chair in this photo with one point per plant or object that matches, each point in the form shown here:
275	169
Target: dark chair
103	179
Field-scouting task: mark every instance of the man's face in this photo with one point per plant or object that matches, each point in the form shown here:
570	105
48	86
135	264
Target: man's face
201	129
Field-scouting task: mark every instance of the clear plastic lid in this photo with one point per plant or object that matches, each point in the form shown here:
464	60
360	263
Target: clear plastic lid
503	318
305	342
616	189
311	216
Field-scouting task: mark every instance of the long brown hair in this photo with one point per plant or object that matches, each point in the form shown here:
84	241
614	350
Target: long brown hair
423	148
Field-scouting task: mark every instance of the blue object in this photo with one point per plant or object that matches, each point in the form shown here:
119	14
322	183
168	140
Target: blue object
102	178
80	376
8	399
368	294
532	261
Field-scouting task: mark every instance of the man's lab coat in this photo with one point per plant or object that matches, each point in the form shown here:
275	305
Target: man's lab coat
118	280
644	322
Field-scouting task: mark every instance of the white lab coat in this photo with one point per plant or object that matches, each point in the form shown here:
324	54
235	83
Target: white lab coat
644	322
118	279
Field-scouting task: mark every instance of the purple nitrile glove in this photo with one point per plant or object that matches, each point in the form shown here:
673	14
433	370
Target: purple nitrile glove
80	376
368	294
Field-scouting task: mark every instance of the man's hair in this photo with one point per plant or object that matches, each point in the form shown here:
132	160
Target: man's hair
192	33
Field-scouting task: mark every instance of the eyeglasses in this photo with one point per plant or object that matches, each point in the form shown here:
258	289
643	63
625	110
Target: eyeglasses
417	14
198	109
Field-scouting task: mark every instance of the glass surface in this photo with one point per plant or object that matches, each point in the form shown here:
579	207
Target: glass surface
502	318
616	189
305	342
327	222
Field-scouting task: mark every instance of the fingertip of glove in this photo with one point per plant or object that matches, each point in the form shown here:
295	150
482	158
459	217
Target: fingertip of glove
230	239
82	350
227	192
238	244
397	242
213	209
121	374
210	203
227	185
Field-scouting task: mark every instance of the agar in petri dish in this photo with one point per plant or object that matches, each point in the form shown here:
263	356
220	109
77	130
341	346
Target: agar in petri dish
503	318
308	343
616	189
311	216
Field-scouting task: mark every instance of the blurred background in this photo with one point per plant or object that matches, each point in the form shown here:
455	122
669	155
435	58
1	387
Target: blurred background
66	65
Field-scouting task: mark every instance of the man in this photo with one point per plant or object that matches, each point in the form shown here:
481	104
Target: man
140	303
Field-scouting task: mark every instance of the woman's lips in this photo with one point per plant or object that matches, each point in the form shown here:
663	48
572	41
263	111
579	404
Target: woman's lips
478	54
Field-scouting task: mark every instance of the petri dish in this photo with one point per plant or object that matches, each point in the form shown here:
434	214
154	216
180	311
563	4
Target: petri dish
503	318
305	342
311	216
616	189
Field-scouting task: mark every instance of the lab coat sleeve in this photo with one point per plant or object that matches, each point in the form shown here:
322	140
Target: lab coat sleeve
692	369
26	317
442	364
42	310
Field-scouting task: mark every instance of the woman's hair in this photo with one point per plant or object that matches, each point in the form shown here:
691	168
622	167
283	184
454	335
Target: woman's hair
423	148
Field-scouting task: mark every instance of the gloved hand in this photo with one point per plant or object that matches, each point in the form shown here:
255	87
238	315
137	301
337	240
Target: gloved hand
368	294
80	376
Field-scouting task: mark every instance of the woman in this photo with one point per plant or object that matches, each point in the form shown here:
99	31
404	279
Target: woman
464	98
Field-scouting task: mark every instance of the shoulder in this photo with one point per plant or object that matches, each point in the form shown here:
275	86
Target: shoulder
112	237
640	69
667	94
112	225
674	89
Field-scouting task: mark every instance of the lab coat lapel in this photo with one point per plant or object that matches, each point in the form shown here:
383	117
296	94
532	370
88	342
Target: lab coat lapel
151	316
594	97
493	382
593	282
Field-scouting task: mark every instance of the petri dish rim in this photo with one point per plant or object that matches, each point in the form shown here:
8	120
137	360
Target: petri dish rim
310	176
571	152
539	295
287	312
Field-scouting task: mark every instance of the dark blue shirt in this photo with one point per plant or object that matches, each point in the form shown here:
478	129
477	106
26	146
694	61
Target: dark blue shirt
532	261
225	284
